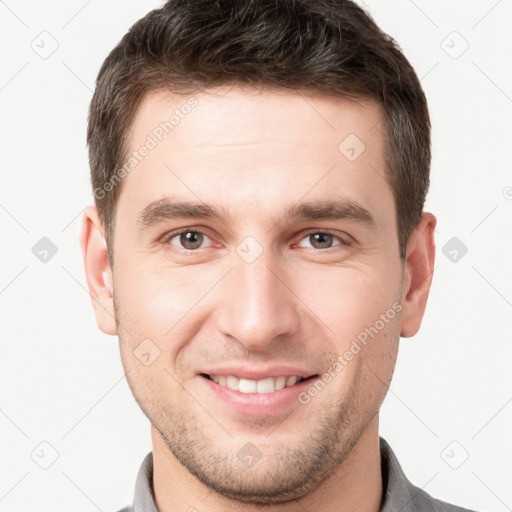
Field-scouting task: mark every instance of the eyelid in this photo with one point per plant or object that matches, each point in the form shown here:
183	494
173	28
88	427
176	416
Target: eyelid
339	236
167	237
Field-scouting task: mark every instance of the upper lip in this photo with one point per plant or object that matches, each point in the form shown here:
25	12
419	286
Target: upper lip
259	373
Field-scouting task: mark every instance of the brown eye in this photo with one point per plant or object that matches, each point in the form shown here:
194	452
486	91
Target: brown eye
189	240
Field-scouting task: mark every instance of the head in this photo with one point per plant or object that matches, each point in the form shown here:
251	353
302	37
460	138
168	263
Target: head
259	172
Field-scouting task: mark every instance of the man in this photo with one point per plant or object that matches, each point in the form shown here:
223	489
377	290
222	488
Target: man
259	246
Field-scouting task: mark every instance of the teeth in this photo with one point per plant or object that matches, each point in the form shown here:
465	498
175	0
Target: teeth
280	383
291	381
247	386
264	386
232	383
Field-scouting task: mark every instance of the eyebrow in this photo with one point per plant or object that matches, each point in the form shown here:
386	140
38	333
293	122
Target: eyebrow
338	209
168	209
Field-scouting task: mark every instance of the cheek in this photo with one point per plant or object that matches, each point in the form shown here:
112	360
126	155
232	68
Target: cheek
168	307
155	301
349	300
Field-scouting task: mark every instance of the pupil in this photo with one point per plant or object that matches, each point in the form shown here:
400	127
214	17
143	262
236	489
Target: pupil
322	239
191	240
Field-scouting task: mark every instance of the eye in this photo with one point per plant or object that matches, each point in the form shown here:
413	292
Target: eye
322	240
188	239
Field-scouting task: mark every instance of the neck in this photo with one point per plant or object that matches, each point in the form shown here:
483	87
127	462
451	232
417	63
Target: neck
356	485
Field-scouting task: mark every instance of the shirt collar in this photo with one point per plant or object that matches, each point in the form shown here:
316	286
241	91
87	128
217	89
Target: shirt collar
144	500
398	493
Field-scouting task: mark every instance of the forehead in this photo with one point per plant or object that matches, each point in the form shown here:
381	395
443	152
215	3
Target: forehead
240	146
307	116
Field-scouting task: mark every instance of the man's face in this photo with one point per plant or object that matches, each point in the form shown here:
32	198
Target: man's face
257	293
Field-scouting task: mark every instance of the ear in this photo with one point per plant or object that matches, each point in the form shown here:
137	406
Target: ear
97	270
418	272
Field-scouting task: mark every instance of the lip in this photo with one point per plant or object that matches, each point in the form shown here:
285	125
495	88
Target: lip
245	372
256	404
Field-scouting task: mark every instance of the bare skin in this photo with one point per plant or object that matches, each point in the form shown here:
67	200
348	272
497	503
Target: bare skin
299	304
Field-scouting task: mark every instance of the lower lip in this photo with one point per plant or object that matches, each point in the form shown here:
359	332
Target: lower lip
257	404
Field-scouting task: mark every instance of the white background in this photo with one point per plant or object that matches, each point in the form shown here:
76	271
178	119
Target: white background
61	379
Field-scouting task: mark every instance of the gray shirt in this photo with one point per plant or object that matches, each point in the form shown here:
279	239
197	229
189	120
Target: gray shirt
399	494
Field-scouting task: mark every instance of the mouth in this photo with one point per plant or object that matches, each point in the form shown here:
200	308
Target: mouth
264	386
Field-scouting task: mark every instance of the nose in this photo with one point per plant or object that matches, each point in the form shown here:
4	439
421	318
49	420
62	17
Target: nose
257	304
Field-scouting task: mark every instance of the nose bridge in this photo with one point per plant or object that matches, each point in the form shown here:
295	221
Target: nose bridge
257	307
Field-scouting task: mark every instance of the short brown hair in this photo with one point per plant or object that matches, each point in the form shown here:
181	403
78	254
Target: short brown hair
327	46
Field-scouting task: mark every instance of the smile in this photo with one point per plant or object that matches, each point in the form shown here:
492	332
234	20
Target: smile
263	386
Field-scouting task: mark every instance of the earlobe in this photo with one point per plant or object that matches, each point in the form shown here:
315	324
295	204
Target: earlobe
418	273
97	270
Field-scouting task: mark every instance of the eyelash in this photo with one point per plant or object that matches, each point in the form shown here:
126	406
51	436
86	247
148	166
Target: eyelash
343	243
165	240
